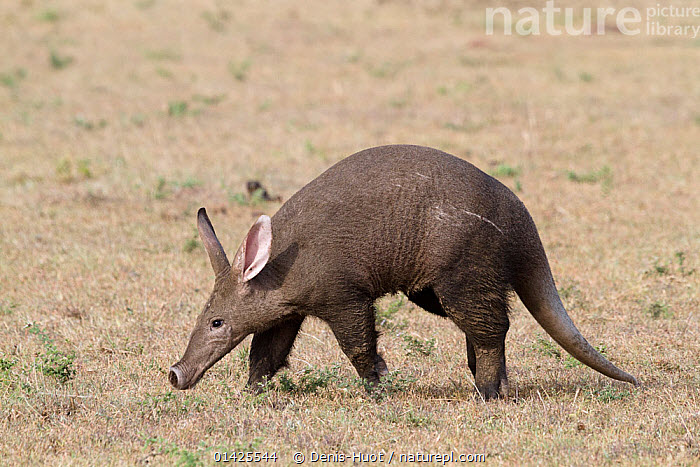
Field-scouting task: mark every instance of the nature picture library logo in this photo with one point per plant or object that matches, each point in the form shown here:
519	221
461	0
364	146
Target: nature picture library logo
658	20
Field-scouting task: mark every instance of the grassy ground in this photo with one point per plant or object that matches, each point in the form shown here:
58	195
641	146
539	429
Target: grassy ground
119	119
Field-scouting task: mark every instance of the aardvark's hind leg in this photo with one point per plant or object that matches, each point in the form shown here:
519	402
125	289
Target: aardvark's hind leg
483	317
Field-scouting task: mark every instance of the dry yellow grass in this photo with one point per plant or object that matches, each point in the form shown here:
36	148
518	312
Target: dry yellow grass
119	119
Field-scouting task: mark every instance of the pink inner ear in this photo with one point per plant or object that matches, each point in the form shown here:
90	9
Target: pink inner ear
257	248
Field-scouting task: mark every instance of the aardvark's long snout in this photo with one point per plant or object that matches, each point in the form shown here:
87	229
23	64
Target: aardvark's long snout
198	358
182	376
176	377
180	379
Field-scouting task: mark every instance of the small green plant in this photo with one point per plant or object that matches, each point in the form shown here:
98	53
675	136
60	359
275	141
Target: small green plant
310	148
216	20
169	403
58	61
505	170
286	383
590	177
177	108
164	72
467	127
385	70
668	267
569	291
202	453
660	269
571	362
83	167
238	198
49	16
7	308
189	182
239	70
209	100
54	363
409	417
160	55
191	244
257	197
58	365
144	4
138	119
265	105
6	364
417	420
83	122
658	310
310	381
11	79
416	346
470	61
65	172
585	77
398	102
353	57
680	258
546	347
161	191
572	296
182	457
392	383
384	317
604	176
609	394
462	87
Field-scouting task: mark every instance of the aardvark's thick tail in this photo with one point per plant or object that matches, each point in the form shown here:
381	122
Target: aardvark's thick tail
539	295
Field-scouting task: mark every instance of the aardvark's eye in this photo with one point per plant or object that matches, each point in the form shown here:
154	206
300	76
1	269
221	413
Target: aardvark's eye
217	323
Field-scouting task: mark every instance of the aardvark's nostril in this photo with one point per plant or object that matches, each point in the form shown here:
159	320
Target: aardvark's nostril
175	376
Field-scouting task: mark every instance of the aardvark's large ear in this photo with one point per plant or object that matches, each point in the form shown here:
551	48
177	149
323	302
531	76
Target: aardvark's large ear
254	252
216	252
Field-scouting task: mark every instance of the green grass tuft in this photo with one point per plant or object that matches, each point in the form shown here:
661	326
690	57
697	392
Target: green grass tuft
177	108
590	177
217	20
310	381
658	310
504	170
52	362
59	61
416	346
49	15
11	79
546	347
585	77
191	244
385	316
7	308
239	70
160	55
